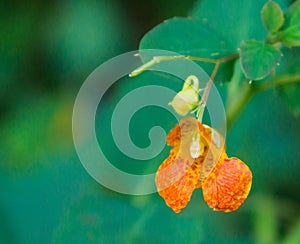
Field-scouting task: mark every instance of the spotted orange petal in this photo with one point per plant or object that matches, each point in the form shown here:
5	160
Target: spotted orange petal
198	158
215	153
179	174
177	178
228	186
183	131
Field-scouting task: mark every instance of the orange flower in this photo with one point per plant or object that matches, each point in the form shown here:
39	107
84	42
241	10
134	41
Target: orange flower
198	159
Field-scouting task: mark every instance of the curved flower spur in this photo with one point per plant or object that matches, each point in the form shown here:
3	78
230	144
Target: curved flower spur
198	159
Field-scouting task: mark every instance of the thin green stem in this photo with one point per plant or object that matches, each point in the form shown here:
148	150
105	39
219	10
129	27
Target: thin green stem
158	59
278	81
273	39
251	89
236	108
204	98
207	88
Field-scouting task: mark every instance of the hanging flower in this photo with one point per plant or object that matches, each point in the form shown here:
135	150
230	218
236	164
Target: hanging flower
198	159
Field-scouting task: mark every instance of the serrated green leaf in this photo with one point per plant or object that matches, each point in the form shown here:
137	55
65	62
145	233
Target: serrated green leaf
272	16
258	59
290	35
292	14
187	36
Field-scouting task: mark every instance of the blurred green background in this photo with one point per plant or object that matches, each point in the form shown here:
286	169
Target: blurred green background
47	50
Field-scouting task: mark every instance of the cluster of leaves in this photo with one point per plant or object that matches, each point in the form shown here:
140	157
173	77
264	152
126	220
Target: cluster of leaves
259	58
259	43
282	27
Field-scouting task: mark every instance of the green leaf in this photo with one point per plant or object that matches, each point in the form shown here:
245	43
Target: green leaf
258	59
290	93
290	35
187	36
234	20
272	16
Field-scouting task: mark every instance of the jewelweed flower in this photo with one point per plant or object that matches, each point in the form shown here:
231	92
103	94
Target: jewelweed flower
198	159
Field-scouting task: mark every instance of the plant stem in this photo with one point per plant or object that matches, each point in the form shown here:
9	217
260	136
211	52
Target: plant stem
272	39
235	110
204	98
278	81
157	59
251	89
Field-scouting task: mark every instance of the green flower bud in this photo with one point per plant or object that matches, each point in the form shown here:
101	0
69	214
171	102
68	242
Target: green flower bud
187	99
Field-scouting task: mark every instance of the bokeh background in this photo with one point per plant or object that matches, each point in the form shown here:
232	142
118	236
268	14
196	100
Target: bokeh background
46	52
